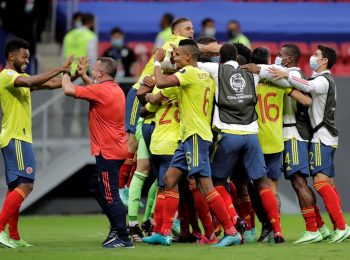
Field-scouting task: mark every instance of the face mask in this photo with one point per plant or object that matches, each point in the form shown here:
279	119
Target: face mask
278	61
78	24
313	63
232	34
210	32
117	42
215	59
95	81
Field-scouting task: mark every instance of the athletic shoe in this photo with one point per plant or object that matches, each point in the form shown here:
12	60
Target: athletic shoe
206	241
4	240
309	237
176	229
249	236
164	240
112	235
152	239
340	235
124	196
229	240
147	227
135	233
265	231
326	234
279	239
120	243
19	243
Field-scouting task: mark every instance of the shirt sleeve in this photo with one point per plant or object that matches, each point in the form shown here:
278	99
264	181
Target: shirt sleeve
317	85
87	93
92	51
264	74
11	76
210	67
151	107
184	77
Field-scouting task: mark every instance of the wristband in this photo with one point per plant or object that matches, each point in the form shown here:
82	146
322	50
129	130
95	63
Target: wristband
157	63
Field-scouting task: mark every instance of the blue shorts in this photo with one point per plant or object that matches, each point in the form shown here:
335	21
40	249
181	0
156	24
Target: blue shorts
19	161
230	149
192	156
274	165
321	159
147	131
132	112
160	165
295	158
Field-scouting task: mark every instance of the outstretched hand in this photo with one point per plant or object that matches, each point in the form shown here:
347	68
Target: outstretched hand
251	67
68	63
83	65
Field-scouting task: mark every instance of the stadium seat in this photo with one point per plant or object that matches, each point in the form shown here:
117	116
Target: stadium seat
102	47
334	45
345	50
341	69
141	48
272	46
304	47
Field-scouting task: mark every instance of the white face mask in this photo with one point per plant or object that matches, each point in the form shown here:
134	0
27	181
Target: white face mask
278	61
95	81
210	32
313	63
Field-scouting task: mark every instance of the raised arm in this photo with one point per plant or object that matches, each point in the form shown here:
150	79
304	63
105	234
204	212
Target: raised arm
68	86
163	81
35	82
147	85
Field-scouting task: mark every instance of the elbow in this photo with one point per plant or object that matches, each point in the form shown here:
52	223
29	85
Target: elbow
161	84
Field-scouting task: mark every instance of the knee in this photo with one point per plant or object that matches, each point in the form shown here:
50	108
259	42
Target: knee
298	183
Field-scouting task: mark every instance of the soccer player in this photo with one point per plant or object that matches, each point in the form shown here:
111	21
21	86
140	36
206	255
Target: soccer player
196	92
108	142
324	140
235	120
16	133
296	136
181	28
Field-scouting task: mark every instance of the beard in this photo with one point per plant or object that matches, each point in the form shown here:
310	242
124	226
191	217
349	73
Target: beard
18	66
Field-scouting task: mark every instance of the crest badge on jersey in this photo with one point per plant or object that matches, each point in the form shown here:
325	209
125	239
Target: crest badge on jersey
237	83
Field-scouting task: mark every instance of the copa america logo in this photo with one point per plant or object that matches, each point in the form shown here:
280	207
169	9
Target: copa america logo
237	83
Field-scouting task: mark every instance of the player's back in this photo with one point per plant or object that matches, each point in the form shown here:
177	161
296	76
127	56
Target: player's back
196	102
270	114
167	119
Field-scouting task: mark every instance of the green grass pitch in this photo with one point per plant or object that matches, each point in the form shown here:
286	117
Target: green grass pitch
80	237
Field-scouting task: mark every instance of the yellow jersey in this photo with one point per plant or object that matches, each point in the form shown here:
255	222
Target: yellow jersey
149	67
151	108
196	96
270	115
166	135
16	106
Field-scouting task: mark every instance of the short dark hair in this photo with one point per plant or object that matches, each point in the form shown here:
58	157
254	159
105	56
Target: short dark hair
191	47
109	66
207	20
328	53
76	15
260	55
177	22
234	21
15	45
243	51
206	40
116	30
87	18
168	17
228	52
293	50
